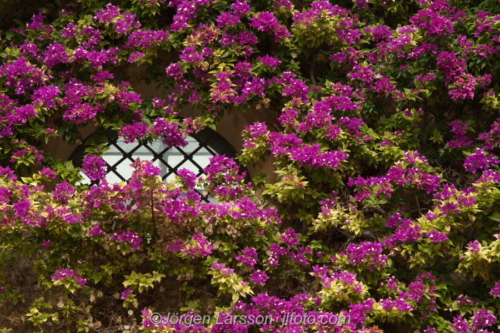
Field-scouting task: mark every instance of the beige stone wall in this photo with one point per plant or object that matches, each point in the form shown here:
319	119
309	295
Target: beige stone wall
61	149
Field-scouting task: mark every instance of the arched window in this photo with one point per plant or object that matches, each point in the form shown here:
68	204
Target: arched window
194	157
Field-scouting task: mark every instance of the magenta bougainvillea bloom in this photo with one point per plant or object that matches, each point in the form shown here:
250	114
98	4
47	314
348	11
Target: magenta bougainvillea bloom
248	257
128	237
94	167
495	291
290	237
480	160
483	318
259	277
69	274
126	293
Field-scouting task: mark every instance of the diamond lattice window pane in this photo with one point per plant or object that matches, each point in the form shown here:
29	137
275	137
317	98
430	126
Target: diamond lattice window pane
194	157
114	176
190	166
192	145
125	147
202	157
144	154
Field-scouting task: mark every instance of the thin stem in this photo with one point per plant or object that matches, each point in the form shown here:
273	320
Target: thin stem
153	217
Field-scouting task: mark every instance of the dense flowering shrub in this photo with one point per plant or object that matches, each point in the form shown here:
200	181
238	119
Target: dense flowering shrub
386	143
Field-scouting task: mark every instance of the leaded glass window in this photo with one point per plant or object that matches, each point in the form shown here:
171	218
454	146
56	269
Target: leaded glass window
194	157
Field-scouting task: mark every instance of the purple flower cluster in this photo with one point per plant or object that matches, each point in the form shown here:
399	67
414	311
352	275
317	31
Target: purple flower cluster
452	66
483	318
144	39
29	151
200	248
21	75
436	237
267	21
175	70
459	128
352	125
284	144
188	178
186	10
474	247
129	237
233	17
135	56
366	253
290	237
464	87
94	167
190	55
272	62
259	277
21	208
108	14
224	90
171	133
480	160
278	251
248	257
63	192
495	291
55	54
48	172
144	170
383	186
126	293
465	300
408	231
225	167
133	131
46	95
344	277
319	10
398	304
461	325
418	289
67	273
489	176
96	232
435	24
490	138
222	268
